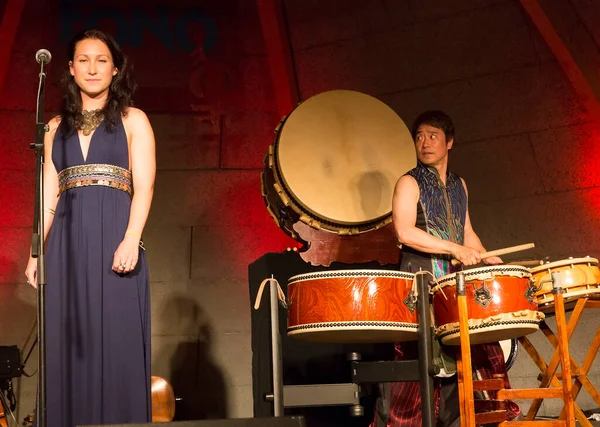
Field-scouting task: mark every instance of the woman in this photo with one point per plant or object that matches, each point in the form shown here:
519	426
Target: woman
97	152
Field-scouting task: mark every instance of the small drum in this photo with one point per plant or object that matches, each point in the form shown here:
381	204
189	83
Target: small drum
510	349
335	162
352	306
500	300
580	277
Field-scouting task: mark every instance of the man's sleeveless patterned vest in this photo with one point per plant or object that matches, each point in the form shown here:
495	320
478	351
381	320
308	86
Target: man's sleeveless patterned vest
441	212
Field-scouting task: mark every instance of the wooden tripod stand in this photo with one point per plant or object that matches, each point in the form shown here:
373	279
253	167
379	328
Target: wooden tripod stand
467	386
549	376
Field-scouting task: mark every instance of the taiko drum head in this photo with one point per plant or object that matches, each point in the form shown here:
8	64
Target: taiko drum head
341	153
579	277
335	162
589	274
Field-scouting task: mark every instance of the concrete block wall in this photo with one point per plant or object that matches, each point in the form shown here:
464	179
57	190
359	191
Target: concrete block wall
524	142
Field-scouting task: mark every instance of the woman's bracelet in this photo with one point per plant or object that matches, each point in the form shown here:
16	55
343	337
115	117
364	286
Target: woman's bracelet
133	233
50	210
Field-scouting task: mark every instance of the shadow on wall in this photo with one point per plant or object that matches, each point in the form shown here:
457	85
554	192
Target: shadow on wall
17	306
198	382
18	327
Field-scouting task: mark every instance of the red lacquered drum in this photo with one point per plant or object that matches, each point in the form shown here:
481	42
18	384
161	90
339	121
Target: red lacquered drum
500	300
352	306
579	277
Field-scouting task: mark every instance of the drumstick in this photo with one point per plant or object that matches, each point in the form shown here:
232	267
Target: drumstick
502	251
528	262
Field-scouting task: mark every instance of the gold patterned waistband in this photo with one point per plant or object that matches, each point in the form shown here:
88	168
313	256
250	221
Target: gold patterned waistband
85	175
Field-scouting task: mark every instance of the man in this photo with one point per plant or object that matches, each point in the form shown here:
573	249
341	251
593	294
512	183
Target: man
432	225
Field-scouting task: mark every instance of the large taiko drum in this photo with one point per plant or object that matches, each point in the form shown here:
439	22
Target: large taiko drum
501	304
579	277
334	164
352	306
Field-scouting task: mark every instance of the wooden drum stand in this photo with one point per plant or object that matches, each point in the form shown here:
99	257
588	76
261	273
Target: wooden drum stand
549	376
563	391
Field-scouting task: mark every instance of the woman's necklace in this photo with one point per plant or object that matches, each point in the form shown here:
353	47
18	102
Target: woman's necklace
90	121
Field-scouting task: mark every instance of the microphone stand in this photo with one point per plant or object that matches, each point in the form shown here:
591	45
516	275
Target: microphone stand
37	245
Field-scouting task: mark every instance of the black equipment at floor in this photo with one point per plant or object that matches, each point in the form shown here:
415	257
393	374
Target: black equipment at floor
10	360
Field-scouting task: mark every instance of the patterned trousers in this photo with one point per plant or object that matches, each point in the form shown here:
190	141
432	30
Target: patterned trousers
405	397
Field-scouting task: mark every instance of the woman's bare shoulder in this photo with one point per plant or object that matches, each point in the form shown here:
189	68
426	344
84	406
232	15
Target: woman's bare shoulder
135	116
54	123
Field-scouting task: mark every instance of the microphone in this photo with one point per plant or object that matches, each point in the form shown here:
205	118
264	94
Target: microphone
43	56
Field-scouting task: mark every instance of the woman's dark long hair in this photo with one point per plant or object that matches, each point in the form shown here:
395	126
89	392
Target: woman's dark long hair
120	92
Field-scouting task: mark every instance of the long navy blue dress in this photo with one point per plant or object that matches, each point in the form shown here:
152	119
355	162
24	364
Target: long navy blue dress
97	321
